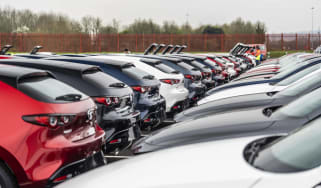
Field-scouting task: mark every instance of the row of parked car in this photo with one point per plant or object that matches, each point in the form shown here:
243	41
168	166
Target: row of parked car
63	114
261	130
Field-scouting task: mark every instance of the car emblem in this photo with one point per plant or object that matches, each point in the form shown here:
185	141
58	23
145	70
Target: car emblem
90	114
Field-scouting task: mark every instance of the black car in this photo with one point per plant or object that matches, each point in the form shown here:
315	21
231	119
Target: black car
146	87
216	69
312	82
192	76
114	99
206	71
235	123
278	77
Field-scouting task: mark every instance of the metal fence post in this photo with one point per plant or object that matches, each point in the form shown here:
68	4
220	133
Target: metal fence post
222	42
136	43
282	45
296	41
205	42
268	42
80	43
309	41
118	47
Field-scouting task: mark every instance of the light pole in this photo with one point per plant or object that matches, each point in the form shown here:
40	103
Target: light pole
312	26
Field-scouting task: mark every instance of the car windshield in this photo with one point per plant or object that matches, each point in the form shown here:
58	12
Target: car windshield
311	82
297	152
295	77
303	106
50	90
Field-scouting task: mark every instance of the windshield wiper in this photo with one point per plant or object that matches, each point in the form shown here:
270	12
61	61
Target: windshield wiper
252	152
69	97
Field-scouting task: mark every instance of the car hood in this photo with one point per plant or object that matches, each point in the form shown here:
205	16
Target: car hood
214	127
242	90
207	165
225	104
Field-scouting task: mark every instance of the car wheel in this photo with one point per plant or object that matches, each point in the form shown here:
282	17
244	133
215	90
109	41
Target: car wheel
6	177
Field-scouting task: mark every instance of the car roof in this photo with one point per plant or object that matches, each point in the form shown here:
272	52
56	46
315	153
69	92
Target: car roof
192	56
112	62
150	61
50	64
12	74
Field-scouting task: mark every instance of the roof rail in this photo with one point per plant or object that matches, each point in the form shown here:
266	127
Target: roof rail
176	47
5	49
35	50
181	49
168	47
150	48
158	48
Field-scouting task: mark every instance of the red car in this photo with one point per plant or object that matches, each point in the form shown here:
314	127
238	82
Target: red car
48	130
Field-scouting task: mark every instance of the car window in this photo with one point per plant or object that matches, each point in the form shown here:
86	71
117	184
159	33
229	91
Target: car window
302	86
300	150
186	66
303	106
198	64
47	89
164	68
100	79
135	73
295	76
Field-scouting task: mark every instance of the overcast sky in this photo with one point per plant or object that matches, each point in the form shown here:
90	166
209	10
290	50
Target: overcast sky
279	15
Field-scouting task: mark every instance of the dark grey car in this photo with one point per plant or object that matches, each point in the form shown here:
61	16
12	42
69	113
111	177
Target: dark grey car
304	86
235	123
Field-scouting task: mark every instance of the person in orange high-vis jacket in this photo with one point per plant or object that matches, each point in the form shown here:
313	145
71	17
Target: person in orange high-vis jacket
258	55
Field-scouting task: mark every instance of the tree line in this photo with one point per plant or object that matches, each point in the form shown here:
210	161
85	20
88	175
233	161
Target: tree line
26	21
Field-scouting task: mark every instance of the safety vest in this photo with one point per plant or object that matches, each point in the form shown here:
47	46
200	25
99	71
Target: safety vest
258	53
258	58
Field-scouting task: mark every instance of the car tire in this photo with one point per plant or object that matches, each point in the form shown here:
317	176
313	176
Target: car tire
7	179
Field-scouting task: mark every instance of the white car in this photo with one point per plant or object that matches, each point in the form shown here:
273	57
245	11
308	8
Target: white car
249	162
258	88
172	84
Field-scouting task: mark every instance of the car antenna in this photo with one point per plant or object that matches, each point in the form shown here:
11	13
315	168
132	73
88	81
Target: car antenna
176	47
5	49
181	49
150	48
168	47
35	50
158	48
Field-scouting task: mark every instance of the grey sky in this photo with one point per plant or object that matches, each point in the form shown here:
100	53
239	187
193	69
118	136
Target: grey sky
279	15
